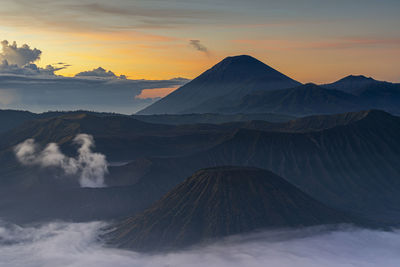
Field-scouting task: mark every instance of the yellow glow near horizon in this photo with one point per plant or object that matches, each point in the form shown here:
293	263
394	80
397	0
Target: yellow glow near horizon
153	93
140	55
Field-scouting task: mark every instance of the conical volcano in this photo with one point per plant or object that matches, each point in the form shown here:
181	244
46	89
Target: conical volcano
218	202
222	85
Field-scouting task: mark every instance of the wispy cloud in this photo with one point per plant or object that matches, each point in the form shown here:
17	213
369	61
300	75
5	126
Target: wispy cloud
355	42
196	44
100	16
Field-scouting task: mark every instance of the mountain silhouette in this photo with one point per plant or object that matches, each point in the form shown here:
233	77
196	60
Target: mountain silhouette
223	84
371	93
352	83
218	202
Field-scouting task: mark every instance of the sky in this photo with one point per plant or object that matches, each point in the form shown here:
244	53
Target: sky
309	40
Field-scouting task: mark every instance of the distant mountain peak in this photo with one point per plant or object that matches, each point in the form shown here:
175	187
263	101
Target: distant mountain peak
223	84
352	83
357	78
245	64
309	85
240	59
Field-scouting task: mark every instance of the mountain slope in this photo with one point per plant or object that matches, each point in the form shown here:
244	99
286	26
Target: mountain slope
224	83
211	118
218	202
119	137
350	163
303	100
12	118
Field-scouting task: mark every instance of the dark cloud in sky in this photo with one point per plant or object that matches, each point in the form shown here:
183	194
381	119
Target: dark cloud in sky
100	73
20	61
29	69
196	44
19	56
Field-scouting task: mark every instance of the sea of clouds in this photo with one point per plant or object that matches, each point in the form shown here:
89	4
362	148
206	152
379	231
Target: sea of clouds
77	244
27	86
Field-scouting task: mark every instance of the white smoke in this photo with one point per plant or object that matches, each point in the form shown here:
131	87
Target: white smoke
90	166
76	244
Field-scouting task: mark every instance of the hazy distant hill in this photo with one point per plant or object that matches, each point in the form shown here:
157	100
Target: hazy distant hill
352	84
223	84
10	119
370	93
218	202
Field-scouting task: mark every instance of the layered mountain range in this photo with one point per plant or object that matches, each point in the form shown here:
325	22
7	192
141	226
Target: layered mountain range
243	84
347	161
332	158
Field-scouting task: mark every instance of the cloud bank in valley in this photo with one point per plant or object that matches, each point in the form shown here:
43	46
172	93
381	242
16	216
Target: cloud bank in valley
40	94
76	244
91	167
27	86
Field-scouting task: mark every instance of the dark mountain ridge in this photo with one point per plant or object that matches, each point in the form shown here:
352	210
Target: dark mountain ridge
10	119
352	166
347	161
308	99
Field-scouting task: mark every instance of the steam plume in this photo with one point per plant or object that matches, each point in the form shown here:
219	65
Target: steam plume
91	167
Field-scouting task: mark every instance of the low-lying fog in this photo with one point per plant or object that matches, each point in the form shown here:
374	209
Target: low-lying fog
75	244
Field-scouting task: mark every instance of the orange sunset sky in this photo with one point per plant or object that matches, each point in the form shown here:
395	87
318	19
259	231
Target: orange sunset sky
307	41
